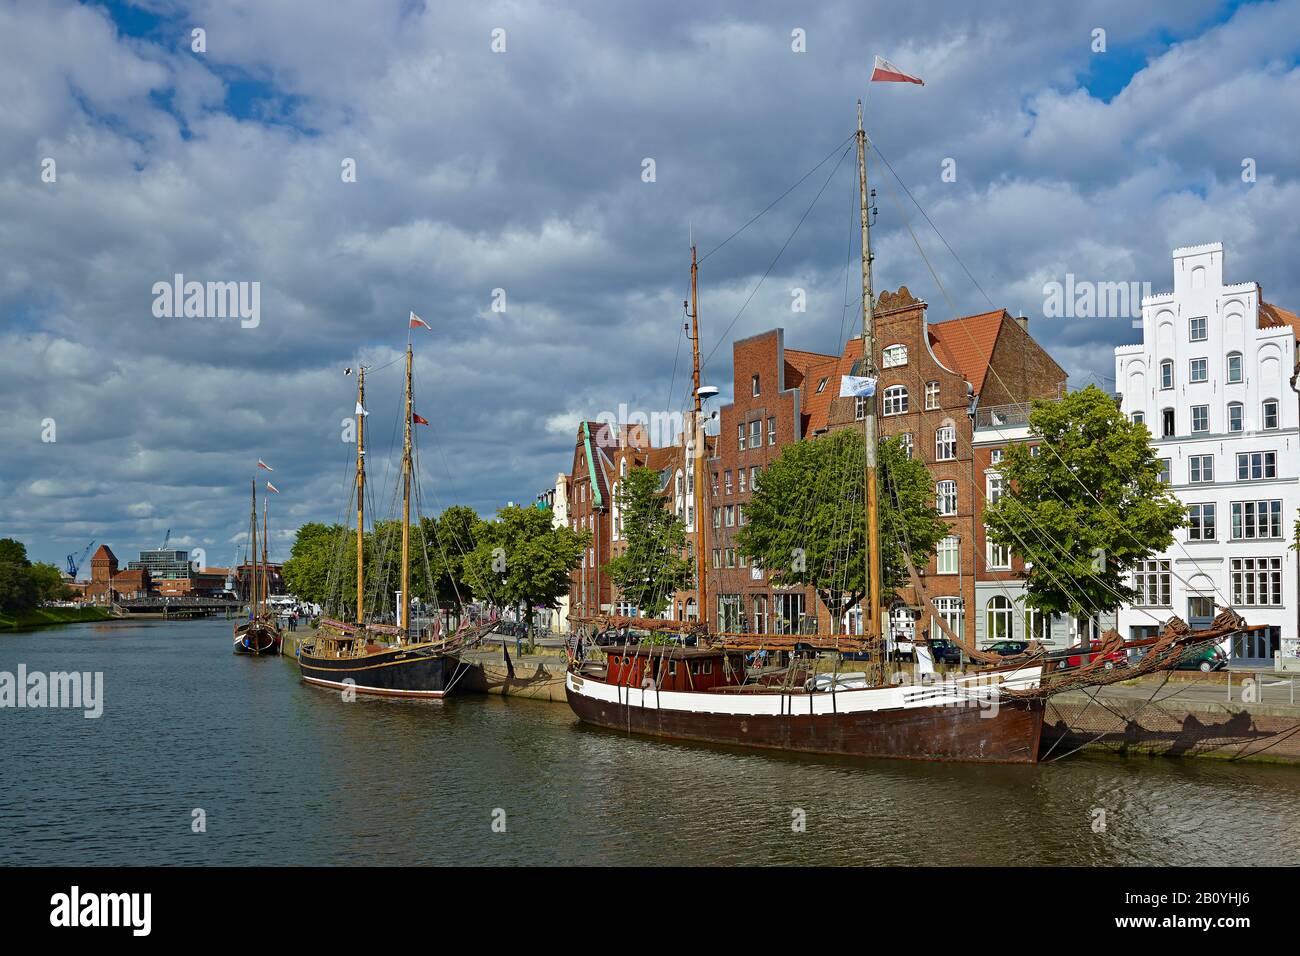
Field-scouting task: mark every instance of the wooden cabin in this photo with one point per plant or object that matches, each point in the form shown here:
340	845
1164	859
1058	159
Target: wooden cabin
674	668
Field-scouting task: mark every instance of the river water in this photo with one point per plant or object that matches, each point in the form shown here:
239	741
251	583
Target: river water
289	774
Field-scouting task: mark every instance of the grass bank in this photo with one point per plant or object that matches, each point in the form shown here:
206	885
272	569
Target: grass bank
49	616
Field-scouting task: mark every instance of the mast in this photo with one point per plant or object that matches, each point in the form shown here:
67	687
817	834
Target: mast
252	553
406	506
266	558
871	621
700	446
361	490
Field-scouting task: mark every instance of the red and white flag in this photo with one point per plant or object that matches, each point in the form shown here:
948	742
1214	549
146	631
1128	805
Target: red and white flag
262	464
271	487
886	72
419	323
419	419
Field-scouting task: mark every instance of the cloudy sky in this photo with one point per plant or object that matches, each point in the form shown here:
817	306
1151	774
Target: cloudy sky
127	156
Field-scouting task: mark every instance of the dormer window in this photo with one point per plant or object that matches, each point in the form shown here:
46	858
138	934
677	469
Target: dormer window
754	382
821	386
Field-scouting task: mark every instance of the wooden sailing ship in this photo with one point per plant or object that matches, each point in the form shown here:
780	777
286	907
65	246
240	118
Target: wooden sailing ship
259	635
382	659
705	687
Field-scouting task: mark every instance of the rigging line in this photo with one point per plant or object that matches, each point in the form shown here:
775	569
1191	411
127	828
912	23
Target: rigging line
1182	547
934	275
776	258
769	206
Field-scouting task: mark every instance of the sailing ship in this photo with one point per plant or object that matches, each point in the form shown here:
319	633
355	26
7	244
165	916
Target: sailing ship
259	635
389	659
704	686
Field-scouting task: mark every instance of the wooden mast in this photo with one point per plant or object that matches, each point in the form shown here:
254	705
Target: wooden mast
871	620
699	449
361	491
406	507
252	553
266	558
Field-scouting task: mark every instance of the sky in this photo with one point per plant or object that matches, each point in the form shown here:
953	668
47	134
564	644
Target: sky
528	179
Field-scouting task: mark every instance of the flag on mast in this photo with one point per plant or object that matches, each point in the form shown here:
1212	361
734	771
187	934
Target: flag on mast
262	464
271	487
419	419
886	72
419	323
360	410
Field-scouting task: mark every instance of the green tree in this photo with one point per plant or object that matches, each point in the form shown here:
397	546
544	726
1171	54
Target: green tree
807	520
17	590
47	582
1087	507
652	567
451	538
13	551
520	559
317	549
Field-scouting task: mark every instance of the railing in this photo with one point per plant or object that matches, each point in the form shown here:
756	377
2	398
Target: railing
1002	416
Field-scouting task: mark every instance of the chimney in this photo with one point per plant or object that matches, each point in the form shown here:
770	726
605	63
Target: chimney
1023	322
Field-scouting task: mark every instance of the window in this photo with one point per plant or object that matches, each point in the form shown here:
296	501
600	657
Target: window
947	556
753	478
1199	330
755	434
1234	367
993	488
1200	418
740	436
894	356
895	400
859	408
1166	423
771	431
945	443
1167	470
731	557
726	480
1200	370
729	615
740	480
740	520
1256	519
731	515
1257	582
1236	420
906	440
760	613
1167	373
931	395
754	381
1139	418
999	622
717	517
1202	523
1038	626
715	483
945	497
1270	409
821	387
717	558
1153	581
1200	469
997	557
1256	465
951	611
995	457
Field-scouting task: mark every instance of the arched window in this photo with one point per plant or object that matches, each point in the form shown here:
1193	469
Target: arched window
894	356
1167	373
1234	367
895	400
998	619
945	497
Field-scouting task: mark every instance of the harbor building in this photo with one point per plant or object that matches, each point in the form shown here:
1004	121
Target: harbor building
1214	380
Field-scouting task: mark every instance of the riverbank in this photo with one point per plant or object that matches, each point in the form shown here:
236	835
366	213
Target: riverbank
50	617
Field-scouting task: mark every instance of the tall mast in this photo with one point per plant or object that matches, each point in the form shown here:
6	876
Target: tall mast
266	558
699	448
252	553
871	621
406	506
361	490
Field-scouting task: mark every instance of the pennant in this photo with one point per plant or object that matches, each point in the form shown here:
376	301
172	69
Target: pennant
271	487
419	419
852	386
360	410
262	464
348	370
419	323
886	72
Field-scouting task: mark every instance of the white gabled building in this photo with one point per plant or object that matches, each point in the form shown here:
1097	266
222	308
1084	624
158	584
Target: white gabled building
1214	381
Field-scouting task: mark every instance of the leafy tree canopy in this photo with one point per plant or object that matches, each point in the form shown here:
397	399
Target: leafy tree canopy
652	567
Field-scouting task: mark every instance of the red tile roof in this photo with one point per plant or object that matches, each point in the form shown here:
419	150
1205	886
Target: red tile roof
966	345
1272	316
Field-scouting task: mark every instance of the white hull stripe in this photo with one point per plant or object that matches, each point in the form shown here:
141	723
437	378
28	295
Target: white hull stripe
378	691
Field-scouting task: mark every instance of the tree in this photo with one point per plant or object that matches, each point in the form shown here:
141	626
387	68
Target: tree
451	538
13	551
17	590
317	549
807	519
47	582
652	567
1085	509
520	558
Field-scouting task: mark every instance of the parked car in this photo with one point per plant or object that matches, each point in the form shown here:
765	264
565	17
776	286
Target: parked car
945	651
1113	658
1007	648
1210	659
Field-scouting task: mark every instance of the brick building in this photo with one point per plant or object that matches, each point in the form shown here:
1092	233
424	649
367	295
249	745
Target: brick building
109	583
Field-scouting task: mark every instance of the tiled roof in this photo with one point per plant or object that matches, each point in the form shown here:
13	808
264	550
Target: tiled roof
798	363
967	343
1272	316
103	551
816	406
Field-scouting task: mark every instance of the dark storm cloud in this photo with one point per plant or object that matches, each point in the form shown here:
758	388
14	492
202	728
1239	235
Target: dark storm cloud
522	171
